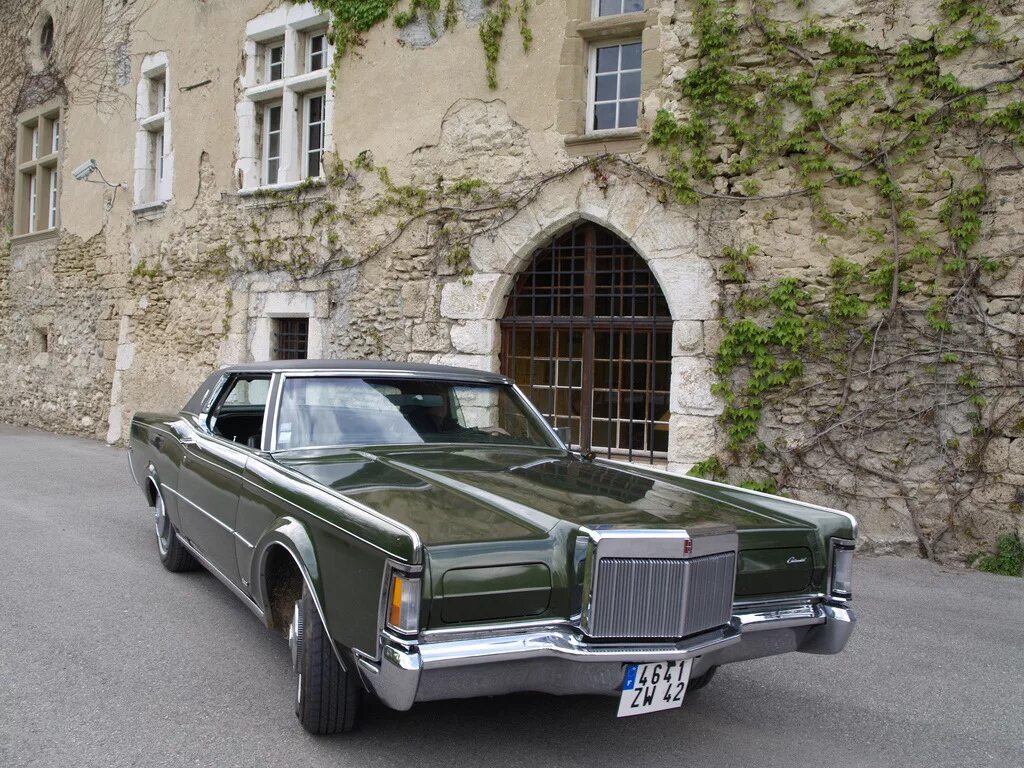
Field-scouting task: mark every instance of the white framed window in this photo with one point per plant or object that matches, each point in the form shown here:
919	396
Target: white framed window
153	145
159	91
36	183
316	49
51	214
613	89
286	108
274	57
158	151
313	131
616	7
33	195
272	143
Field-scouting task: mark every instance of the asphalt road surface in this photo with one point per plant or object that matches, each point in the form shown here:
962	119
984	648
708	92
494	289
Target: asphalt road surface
106	659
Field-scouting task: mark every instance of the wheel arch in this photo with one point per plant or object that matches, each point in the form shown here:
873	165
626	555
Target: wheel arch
283	550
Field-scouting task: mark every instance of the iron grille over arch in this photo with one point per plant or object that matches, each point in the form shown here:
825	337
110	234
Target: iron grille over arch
587	335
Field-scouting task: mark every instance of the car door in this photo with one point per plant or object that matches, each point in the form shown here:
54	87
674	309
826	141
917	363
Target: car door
213	464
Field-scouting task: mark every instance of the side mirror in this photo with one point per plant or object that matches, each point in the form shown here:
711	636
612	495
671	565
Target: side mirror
564	434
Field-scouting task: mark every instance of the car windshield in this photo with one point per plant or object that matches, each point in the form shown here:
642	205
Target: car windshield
321	411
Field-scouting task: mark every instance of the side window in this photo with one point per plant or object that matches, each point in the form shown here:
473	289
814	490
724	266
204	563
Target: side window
238	415
248	392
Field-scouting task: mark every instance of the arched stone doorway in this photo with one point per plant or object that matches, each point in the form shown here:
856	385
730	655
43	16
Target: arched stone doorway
587	335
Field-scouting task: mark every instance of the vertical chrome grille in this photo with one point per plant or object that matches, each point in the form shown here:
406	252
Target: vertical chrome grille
646	597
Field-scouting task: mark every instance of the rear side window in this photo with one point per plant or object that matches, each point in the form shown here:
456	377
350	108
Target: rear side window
238	414
248	392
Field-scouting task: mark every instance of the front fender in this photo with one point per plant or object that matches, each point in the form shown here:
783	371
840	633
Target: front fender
289	533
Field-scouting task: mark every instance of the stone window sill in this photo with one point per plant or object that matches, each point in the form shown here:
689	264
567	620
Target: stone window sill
609	27
286	186
605	142
32	237
154	207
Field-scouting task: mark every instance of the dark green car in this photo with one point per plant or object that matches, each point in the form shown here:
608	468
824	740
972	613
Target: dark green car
421	533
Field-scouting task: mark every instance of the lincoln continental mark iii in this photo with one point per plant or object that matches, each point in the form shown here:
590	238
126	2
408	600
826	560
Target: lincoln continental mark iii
421	532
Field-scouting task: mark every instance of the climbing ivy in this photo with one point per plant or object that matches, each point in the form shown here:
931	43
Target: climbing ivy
350	19
836	112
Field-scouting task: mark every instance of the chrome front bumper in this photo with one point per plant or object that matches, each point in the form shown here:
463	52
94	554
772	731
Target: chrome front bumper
558	659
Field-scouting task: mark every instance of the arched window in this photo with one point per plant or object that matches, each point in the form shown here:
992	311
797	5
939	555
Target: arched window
587	335
46	37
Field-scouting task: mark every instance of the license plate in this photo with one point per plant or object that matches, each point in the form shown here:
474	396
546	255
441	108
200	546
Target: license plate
653	687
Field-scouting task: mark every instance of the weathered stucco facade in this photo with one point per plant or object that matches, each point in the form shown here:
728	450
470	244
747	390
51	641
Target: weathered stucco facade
119	310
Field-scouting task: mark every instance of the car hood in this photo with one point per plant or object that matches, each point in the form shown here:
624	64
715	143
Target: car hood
460	494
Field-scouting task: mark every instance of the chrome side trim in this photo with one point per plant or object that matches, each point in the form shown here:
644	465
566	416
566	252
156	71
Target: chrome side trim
191	503
222	578
244	540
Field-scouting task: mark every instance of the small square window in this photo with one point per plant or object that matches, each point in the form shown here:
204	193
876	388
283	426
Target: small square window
41	340
615	87
291	338
275	61
317	48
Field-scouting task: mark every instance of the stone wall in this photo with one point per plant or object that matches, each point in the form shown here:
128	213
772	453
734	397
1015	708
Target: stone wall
140	306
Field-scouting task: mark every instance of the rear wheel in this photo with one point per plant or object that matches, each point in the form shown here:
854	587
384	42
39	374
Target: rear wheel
173	554
328	697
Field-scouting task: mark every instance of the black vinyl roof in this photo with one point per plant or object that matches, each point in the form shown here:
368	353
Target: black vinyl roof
363	366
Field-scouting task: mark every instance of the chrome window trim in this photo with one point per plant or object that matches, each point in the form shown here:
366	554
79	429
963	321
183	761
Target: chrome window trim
523	401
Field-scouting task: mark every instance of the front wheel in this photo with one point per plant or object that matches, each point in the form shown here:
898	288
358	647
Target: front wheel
327	697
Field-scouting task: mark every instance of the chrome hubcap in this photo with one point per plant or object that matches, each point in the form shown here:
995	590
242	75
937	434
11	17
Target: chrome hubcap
295	635
163	525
